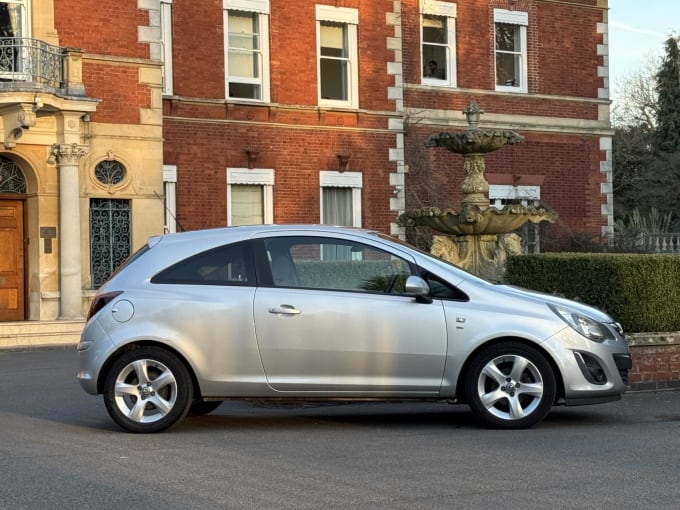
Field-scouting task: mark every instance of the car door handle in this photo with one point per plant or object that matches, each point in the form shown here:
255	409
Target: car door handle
284	310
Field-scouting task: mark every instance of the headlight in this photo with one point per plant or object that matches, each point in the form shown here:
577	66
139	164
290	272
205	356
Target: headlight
586	326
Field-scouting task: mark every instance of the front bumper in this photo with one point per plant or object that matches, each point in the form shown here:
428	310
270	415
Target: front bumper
592	372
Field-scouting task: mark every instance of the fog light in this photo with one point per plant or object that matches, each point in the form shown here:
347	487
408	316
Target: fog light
591	368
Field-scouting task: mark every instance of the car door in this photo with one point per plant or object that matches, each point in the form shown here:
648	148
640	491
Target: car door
333	319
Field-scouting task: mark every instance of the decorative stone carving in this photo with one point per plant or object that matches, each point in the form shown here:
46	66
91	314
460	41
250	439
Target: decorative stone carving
483	254
69	154
15	122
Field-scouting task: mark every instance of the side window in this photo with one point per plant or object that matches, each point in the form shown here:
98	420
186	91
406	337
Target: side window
511	50
227	265
302	262
341	197
250	196
246	26
337	56
440	289
438	49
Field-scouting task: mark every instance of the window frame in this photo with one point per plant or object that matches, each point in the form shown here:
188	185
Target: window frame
170	202
261	9
349	17
521	20
263	177
336	179
448	11
166	41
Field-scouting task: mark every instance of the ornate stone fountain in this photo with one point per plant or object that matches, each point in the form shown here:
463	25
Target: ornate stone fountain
477	237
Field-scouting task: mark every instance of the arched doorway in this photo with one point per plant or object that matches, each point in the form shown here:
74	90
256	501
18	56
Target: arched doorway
12	284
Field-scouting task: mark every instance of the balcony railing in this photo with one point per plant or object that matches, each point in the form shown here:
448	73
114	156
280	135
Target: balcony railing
31	60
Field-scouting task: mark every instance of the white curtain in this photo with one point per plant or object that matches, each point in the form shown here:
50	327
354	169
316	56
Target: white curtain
247	205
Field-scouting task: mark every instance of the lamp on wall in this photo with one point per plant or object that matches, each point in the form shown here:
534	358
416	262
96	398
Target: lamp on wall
343	161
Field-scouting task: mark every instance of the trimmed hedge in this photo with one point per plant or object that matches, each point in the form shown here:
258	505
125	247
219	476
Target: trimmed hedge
640	291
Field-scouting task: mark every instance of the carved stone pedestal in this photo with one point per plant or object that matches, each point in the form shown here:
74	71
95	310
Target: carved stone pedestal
483	255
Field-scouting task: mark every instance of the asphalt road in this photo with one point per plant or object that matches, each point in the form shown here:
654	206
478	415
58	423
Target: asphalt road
59	449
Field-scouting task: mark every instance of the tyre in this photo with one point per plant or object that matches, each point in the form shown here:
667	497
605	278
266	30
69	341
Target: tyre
147	390
510	385
203	407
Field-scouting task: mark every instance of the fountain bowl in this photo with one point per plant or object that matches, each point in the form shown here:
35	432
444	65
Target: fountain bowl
474	141
475	220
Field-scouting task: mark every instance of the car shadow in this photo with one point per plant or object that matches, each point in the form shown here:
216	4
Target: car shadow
277	416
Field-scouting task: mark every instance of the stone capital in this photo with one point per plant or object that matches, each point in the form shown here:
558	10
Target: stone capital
69	154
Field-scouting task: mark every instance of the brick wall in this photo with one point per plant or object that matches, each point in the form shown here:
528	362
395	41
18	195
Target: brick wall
108	35
656	361
119	91
104	27
296	154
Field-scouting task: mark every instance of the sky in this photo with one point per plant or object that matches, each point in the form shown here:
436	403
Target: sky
637	31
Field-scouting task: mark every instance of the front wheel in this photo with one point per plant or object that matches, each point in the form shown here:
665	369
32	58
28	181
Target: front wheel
510	385
147	390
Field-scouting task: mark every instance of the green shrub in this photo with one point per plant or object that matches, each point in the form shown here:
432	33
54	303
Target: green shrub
640	291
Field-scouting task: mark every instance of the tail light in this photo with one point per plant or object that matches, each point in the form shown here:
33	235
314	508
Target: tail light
100	301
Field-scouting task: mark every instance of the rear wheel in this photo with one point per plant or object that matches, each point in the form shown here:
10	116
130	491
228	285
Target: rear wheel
147	390
510	385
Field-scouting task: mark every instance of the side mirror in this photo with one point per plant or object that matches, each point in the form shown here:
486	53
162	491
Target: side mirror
417	287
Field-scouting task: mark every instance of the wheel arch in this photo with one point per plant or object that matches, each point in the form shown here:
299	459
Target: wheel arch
462	376
147	343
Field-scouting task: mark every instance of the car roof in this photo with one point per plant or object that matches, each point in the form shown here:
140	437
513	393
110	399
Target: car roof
247	231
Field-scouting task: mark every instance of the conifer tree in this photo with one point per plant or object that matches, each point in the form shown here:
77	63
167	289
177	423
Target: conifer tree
667	135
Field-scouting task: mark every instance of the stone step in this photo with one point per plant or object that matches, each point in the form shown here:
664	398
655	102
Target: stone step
40	334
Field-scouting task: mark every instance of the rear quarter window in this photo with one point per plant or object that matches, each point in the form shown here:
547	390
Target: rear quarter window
231	264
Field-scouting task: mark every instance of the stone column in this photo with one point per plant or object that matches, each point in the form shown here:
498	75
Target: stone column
70	278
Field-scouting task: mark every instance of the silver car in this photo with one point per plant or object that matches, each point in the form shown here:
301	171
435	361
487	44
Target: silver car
317	312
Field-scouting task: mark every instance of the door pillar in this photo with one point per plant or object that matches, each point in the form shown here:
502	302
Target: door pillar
70	273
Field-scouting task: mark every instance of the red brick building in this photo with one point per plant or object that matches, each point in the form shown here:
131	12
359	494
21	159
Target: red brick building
312	111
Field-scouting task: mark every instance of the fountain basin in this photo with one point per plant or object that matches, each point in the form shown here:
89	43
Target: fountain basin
473	219
474	141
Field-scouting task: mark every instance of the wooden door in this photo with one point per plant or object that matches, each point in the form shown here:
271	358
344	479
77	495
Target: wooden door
11	260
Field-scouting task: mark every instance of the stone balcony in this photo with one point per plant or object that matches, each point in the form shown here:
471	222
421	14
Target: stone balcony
34	65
